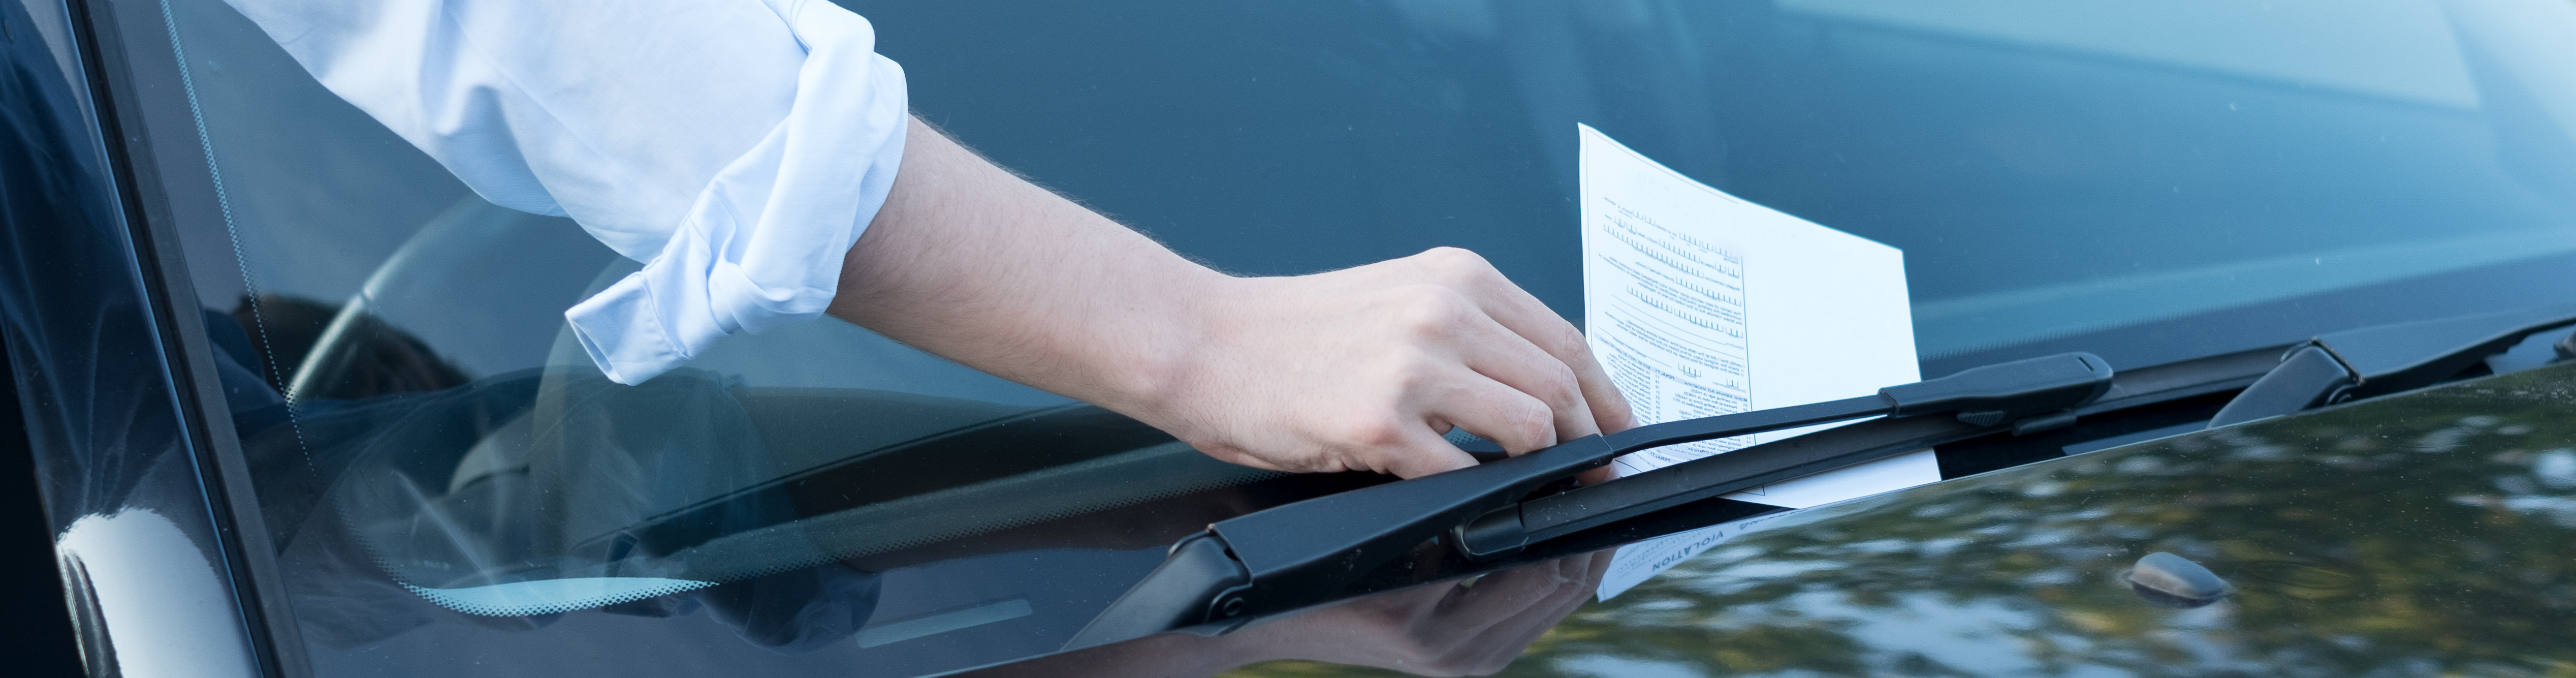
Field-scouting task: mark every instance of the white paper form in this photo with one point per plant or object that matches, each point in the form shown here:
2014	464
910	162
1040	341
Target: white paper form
1700	303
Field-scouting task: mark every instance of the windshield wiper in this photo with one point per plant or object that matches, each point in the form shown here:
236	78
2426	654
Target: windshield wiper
1308	552
2382	360
1291	556
2376	361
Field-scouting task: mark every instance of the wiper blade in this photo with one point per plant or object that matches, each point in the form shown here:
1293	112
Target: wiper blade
1294	555
2375	361
1300	554
1305	553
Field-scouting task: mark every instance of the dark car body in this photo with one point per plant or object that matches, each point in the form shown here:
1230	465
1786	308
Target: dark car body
298	403
2426	534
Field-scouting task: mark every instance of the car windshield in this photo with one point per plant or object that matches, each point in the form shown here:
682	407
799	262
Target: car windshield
2149	180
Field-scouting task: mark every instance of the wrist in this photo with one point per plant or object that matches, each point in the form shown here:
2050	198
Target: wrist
1179	351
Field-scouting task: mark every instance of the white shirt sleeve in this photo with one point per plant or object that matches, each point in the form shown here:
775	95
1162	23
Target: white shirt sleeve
736	147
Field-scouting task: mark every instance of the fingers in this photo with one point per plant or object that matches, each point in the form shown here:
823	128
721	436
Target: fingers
1526	317
1609	407
1517	310
1365	368
1420	452
1495	410
1506	357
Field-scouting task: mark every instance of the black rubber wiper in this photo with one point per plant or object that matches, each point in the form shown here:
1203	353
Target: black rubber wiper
1299	554
1305	553
2376	361
2279	380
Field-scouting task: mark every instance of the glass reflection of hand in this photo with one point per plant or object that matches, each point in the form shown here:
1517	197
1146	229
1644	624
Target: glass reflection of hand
1469	628
1459	629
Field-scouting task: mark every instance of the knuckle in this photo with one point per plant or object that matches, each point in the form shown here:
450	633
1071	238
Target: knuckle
1531	424
1429	308
1453	263
1540	431
1563	389
1406	371
1562	339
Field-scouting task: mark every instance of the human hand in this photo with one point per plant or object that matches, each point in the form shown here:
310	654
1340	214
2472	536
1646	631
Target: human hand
1365	368
1357	369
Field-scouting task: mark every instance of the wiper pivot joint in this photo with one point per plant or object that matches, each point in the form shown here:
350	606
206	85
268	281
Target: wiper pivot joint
2309	376
2376	361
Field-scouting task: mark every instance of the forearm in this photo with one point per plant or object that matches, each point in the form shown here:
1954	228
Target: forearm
1358	369
982	267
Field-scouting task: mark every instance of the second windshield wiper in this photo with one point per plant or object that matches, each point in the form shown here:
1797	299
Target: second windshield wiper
2375	361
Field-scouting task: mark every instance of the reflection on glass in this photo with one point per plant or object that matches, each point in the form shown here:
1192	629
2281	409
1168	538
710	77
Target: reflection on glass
1450	628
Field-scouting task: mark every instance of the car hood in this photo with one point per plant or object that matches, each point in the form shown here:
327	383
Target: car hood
2419	534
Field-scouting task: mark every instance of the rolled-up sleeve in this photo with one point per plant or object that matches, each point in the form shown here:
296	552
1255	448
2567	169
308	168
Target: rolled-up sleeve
735	147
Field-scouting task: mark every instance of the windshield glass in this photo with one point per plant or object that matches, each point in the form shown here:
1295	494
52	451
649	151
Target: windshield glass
2049	169
444	467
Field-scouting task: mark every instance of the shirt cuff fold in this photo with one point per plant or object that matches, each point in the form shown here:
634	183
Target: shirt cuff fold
762	245
629	335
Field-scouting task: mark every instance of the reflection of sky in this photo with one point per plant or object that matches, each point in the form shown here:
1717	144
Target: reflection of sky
1920	624
2398	49
2129	160
1628	668
1962	636
2047	167
2380	54
1957	634
2003	318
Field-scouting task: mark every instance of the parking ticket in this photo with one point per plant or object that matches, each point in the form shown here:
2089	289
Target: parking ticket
1700	303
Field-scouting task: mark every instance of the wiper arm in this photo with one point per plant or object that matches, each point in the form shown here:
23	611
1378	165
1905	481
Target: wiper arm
2375	361
1291	556
1540	519
1299	554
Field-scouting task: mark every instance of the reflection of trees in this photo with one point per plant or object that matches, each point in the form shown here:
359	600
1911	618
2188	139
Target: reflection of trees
2434	534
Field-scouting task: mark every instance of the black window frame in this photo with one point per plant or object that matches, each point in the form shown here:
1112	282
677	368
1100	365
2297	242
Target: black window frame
147	125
